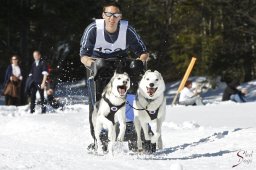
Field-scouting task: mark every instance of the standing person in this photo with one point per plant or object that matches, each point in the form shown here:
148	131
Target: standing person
38	76
232	93
108	38
13	76
188	96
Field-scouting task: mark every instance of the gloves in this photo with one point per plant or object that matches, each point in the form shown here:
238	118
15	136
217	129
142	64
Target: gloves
100	63
137	67
97	65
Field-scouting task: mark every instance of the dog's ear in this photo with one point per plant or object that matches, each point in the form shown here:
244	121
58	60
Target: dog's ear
108	87
156	72
159	75
115	73
148	71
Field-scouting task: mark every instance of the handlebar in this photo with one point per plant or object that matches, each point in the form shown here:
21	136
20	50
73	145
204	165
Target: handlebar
105	67
116	59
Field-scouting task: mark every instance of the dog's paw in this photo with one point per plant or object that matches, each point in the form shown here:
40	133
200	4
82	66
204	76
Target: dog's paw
139	145
149	147
155	137
100	151
120	139
140	150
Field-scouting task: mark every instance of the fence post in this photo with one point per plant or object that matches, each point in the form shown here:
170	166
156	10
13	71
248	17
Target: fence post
185	78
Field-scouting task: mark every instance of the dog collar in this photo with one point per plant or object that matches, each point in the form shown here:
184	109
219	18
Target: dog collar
147	100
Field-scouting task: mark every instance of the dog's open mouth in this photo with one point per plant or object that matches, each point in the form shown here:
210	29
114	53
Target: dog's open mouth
121	90
151	90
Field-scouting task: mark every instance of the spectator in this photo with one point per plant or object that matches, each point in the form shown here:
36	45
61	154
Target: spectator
38	76
13	78
188	96
232	93
52	101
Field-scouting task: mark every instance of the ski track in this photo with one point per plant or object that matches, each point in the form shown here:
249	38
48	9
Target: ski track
58	140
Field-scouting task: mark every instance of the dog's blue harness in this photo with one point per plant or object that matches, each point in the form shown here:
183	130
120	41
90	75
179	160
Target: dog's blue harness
113	109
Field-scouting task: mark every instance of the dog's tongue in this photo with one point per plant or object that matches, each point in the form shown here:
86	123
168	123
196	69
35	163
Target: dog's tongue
151	90
121	90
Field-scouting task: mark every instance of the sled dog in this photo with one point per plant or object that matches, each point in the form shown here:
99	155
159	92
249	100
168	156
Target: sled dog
149	107
111	109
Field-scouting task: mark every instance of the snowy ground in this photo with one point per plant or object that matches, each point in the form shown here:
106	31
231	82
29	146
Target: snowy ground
216	136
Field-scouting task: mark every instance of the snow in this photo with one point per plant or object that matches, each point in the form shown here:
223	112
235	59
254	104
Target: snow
208	137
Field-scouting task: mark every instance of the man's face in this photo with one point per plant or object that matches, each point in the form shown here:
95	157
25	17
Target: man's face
112	16
36	56
190	86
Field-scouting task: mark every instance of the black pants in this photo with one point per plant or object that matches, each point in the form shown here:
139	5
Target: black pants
94	94
33	90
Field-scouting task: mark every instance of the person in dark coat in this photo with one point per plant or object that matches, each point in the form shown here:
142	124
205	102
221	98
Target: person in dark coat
52	100
232	93
105	38
13	75
38	76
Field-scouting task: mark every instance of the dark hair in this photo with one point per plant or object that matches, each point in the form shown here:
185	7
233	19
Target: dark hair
16	56
188	83
111	3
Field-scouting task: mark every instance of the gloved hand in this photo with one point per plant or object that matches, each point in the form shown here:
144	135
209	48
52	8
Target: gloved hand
137	67
97	65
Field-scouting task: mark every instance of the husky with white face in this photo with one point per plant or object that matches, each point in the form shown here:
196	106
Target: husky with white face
111	109
149	107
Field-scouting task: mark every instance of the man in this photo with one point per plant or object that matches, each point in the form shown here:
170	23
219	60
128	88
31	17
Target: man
188	97
232	93
38	76
107	38
52	100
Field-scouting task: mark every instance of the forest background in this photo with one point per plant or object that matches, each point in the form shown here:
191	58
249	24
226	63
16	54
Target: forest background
219	33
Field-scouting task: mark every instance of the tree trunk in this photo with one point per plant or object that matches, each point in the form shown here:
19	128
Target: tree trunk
24	47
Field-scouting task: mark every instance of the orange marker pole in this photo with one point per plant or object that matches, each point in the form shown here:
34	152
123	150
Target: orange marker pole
185	78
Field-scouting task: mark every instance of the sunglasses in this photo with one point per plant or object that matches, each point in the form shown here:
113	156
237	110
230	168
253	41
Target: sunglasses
110	14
